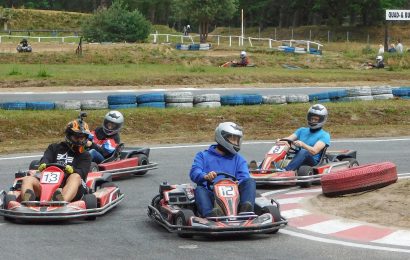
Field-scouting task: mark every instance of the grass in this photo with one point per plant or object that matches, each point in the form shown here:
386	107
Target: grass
34	130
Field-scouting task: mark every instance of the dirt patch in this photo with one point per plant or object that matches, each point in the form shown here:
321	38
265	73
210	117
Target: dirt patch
388	206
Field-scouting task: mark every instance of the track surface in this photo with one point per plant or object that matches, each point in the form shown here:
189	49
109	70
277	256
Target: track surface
127	232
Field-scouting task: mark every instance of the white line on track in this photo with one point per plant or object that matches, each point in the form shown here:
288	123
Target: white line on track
343	243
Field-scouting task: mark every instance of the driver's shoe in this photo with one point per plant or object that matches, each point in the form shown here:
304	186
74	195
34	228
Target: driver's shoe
245	207
29	195
57	195
216	212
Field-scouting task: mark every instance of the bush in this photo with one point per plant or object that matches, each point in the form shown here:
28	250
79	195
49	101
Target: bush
116	24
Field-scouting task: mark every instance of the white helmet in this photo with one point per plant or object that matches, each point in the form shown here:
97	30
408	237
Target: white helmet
379	58
224	131
320	111
243	54
116	119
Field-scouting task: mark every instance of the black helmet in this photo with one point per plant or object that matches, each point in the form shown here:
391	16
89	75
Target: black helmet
76	128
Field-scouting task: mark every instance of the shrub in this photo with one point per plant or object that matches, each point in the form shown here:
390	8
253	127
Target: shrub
116	24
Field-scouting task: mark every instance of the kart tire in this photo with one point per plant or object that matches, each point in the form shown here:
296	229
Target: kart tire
383	97
155	201
94	167
359	179
179	97
90	203
122	106
152	104
352	162
359	91
14	105
274	99
151	97
297	98
305	170
252	99
274	211
121	99
180	105
208	104
381	90
181	219
142	160
40	105
232	100
68	105
207	98
94	104
34	165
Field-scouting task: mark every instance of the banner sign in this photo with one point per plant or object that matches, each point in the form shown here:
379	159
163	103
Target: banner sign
397	15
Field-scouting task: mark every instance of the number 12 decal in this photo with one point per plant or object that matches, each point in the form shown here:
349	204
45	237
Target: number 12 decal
227	191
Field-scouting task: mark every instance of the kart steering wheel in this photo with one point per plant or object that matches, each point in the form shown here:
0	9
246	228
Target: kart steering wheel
292	147
210	184
58	165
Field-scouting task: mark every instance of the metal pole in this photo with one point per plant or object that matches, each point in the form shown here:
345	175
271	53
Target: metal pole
328	36
292	34
310	35
275	34
241	28
347	36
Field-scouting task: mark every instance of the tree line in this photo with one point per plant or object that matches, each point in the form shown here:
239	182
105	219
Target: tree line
262	13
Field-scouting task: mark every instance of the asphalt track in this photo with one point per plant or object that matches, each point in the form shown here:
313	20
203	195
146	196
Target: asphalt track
98	94
127	232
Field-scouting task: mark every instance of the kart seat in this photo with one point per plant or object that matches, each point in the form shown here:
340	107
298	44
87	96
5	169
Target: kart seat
116	154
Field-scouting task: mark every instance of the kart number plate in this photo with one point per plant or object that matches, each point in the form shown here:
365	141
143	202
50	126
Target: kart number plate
50	177
276	149
227	191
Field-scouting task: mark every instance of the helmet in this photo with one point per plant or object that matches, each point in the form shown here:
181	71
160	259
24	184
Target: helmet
379	58
74	130
226	130
243	54
113	122
319	111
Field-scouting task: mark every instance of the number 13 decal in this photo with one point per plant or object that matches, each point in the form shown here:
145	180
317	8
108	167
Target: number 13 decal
50	177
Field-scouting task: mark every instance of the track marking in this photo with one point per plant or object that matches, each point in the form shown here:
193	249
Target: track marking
331	226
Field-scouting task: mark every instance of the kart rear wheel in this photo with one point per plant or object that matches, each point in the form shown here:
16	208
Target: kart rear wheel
34	165
352	162
305	170
182	219
274	211
94	167
142	160
90	203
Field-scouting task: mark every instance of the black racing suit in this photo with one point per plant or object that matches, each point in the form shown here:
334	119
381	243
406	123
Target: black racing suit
61	153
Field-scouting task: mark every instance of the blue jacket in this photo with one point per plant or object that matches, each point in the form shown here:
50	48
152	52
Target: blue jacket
210	160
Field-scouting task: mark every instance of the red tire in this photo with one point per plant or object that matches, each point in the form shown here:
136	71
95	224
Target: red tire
358	179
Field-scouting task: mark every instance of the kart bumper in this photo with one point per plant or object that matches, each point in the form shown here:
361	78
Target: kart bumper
215	230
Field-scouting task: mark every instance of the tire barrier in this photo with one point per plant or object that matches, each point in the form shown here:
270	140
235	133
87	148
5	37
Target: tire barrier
151	97
68	105
179	97
179	105
152	104
357	98
14	105
318	96
274	99
40	105
232	100
359	179
207	98
381	90
94	104
383	96
359	91
337	94
121	99
297	98
252	99
122	106
208	104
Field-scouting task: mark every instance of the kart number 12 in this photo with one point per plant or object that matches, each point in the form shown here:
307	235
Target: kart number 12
226	191
50	177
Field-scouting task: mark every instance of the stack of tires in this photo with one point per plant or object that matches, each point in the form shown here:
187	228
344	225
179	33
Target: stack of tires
232	100
94	104
116	102
40	105
179	99
194	47
274	99
359	94
337	95
14	105
252	99
68	105
402	92
207	100
154	100
382	93
297	98
322	97
204	46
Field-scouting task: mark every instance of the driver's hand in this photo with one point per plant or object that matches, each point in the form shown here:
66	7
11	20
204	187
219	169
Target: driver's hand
89	143
41	167
69	169
298	143
278	141
210	176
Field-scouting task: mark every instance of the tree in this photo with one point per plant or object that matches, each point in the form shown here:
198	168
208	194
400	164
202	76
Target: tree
116	24
204	12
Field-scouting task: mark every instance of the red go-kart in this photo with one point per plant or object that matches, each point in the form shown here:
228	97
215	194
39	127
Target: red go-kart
174	209
279	156
102	195
122	163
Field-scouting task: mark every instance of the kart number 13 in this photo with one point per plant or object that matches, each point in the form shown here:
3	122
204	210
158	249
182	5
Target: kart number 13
227	191
50	177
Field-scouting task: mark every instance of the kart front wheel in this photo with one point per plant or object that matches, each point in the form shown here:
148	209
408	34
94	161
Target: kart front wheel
90	203
182	218
7	199
305	170
274	211
352	162
142	160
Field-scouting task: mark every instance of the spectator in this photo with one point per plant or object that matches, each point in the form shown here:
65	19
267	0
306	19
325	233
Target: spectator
392	48
399	47
381	50
188	29
184	30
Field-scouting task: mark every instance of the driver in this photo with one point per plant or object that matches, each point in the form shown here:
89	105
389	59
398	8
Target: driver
243	62
69	153
311	140
24	42
106	137
222	157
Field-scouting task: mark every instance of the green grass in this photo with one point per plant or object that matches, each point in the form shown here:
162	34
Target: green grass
154	126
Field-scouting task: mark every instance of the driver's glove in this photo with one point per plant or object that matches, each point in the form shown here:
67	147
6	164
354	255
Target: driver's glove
69	169
41	167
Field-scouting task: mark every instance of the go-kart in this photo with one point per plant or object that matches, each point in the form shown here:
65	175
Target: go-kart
174	209
234	64
122	163
278	157
21	48
102	195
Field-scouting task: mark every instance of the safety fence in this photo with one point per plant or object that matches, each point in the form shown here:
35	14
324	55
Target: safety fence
62	39
189	100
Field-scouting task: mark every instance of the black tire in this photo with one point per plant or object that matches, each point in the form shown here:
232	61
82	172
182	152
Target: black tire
352	162
108	184
305	170
90	203
34	165
155	201
142	160
94	167
7	199
182	218
274	211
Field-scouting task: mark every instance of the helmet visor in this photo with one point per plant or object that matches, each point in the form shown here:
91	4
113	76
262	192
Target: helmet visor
111	127
314	119
234	140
